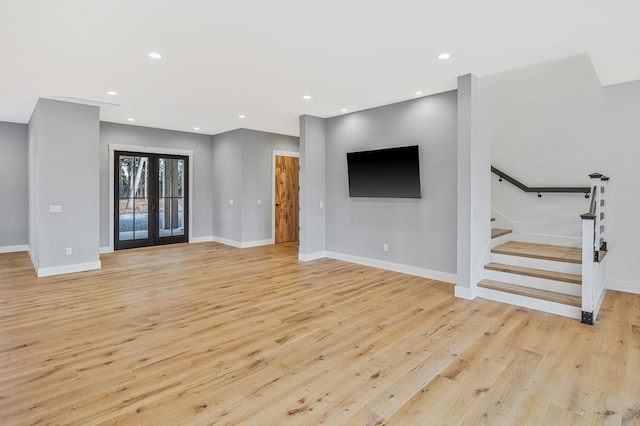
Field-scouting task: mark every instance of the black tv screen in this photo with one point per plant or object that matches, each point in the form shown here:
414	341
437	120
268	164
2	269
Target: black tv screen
387	173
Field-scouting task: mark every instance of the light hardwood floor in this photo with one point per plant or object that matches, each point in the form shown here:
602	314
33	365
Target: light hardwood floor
207	334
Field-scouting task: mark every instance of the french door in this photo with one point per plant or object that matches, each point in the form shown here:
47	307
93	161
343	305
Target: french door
151	193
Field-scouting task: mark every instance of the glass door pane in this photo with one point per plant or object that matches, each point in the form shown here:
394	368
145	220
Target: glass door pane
133	198
171	192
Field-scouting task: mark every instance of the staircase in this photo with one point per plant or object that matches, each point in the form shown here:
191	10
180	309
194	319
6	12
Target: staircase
563	280
537	276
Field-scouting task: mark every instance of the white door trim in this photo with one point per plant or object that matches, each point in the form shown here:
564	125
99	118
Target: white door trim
151	150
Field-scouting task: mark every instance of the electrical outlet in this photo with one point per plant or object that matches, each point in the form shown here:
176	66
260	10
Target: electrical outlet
69	251
385	247
259	202
230	202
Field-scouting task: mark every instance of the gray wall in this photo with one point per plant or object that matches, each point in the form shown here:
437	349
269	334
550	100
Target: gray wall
552	124
63	153
420	232
620	155
545	123
226	184
243	169
14	184
201	145
313	169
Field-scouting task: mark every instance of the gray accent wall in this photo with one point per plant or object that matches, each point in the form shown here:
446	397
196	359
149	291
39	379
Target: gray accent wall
243	172
14	184
419	232
202	169
313	169
63	153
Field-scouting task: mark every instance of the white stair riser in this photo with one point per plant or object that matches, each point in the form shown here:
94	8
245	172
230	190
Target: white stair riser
495	242
534	282
528	262
531	303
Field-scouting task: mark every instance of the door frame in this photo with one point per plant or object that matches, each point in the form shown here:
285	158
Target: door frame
278	153
145	150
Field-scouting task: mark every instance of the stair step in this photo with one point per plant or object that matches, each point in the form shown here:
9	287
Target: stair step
538	273
497	232
540	251
549	296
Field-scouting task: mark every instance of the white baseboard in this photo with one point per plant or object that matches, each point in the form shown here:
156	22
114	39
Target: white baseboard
312	256
396	267
196	240
68	269
257	243
464	293
625	286
245	244
13	249
558	240
105	250
226	241
33	260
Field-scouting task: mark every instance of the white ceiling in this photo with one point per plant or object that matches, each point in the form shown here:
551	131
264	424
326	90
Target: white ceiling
258	57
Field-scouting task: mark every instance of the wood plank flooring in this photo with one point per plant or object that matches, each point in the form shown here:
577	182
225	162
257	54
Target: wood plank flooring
550	296
537	273
540	251
208	334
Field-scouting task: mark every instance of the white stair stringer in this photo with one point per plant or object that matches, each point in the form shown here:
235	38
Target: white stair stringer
534	282
530	303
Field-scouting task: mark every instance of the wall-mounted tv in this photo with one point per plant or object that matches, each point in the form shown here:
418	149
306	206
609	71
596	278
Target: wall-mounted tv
387	173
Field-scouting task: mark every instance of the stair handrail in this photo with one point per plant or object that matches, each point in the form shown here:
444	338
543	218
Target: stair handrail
540	189
594	249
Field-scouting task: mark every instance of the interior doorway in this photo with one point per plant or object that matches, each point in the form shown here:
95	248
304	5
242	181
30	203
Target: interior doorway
287	190
151	199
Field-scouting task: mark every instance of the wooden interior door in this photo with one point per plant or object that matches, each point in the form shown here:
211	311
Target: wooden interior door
287	190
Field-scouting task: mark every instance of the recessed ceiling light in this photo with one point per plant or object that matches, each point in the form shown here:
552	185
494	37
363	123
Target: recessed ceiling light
196	128
444	56
344	110
307	97
155	55
131	119
242	116
418	93
112	93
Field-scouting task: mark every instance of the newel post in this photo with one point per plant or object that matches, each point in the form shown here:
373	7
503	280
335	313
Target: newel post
588	228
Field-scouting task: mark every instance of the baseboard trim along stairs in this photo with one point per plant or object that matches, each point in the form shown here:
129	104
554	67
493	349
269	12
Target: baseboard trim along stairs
543	277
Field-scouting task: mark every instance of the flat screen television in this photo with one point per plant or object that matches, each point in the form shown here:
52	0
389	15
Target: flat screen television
386	173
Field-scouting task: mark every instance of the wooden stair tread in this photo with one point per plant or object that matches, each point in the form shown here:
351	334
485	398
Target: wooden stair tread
540	251
497	232
538	273
549	296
